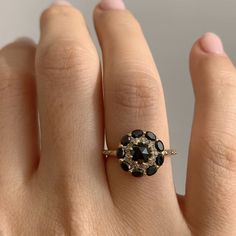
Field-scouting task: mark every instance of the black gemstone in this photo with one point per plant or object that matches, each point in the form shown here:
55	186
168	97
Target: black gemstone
120	152
125	140
137	133
140	152
150	135
160	160
125	166
137	172
159	146
151	170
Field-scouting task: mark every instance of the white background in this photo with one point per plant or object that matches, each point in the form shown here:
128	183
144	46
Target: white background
171	27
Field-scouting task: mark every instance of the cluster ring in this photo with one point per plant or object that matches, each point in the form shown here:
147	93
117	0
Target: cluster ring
140	152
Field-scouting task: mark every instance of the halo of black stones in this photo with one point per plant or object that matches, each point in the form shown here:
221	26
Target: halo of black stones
140	152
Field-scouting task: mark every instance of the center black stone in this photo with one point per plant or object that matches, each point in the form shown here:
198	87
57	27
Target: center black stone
140	152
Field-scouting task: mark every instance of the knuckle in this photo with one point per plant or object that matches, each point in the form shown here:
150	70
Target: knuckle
67	60
220	72
136	91
221	152
12	84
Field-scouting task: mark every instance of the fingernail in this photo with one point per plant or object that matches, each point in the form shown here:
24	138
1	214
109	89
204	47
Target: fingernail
112	5
211	43
61	2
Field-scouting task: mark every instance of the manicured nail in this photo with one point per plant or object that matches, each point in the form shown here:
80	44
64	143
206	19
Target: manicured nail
211	43
61	2
112	5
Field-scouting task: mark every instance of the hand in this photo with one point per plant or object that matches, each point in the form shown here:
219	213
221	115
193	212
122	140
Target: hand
66	187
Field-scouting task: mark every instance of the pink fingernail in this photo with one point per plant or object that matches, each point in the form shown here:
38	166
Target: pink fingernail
112	5
211	43
61	2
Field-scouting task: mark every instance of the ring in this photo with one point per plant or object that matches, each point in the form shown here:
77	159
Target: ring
140	153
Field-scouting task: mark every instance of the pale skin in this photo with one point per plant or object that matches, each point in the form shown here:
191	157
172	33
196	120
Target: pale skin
66	187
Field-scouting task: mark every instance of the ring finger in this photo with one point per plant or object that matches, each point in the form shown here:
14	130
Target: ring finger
133	100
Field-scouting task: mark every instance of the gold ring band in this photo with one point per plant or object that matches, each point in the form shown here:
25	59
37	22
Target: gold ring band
109	153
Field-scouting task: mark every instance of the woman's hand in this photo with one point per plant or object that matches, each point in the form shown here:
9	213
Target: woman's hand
66	187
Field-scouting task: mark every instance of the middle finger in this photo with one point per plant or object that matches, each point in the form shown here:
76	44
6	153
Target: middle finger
70	101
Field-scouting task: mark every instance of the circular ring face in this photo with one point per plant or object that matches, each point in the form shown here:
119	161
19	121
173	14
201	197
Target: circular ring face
140	152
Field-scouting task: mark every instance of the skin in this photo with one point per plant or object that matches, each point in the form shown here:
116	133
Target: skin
66	187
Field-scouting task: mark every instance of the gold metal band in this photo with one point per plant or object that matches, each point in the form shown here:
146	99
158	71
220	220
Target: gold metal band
168	152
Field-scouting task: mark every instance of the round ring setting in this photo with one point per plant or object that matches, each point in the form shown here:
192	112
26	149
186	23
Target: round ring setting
140	153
